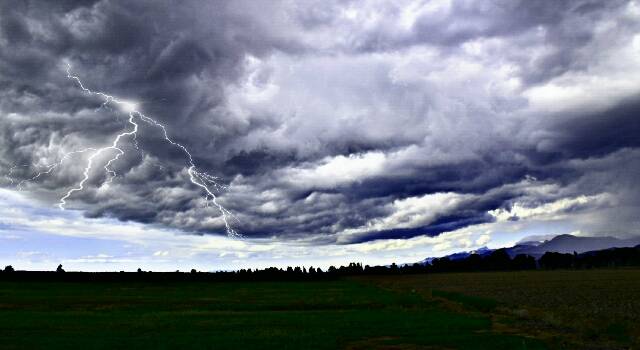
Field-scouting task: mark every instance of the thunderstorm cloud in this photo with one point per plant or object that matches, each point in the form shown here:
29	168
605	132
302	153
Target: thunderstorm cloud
331	122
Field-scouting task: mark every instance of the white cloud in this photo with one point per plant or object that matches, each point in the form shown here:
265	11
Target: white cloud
409	213
154	247
339	170
483	239
551	211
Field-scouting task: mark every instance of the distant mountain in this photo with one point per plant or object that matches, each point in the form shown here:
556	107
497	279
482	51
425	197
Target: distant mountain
560	244
535	239
570	244
462	255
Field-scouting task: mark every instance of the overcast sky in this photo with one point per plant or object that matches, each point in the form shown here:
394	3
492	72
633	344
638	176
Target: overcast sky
338	131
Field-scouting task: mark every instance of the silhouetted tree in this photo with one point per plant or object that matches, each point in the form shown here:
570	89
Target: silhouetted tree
523	262
609	258
441	264
553	260
473	262
498	260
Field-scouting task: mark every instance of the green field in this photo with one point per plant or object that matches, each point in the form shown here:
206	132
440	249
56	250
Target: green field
438	311
323	315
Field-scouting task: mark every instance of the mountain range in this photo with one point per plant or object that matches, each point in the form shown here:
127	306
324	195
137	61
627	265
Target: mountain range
561	244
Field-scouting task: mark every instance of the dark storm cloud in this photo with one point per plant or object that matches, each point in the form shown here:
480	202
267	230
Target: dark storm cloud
325	118
599	133
565	27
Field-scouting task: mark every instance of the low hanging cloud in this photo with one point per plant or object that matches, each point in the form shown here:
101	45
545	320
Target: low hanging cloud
332	122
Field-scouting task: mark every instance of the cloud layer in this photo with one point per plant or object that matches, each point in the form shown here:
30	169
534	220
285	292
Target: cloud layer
332	122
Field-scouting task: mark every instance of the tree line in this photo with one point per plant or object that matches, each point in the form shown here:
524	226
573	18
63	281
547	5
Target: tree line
498	260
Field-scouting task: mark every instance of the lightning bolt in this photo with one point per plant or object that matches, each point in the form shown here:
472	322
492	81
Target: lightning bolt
114	146
9	175
206	182
51	167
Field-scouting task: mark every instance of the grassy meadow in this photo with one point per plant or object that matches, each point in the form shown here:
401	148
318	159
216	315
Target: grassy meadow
513	310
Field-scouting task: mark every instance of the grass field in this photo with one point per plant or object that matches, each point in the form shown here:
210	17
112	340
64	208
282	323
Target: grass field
234	315
513	310
573	308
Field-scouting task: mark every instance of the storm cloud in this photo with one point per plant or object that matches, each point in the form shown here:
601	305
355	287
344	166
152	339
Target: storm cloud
331	122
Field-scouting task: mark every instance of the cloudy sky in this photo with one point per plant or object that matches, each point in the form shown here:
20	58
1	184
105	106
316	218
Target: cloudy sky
337	131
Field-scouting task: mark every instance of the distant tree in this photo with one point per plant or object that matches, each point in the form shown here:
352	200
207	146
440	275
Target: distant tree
60	269
553	260
193	271
441	264
523	262
473	262
498	260
8	269
139	270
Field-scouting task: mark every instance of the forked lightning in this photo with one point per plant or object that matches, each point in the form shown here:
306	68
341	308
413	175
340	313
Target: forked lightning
204	181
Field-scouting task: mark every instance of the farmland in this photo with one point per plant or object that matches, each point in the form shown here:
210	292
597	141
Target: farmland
493	310
586	308
233	315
